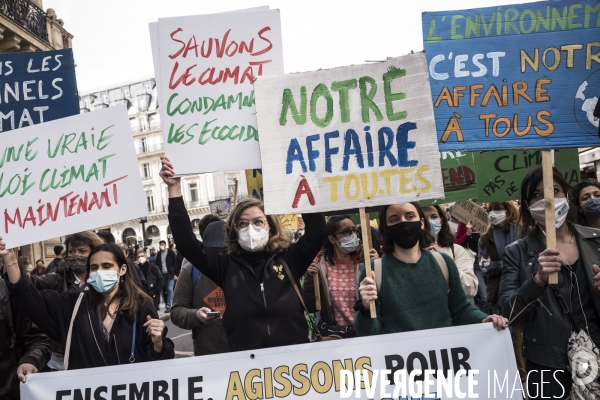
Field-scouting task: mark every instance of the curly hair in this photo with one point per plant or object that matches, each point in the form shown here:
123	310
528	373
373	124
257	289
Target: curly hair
279	240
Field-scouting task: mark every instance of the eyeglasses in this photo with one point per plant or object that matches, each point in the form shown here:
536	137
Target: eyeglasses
258	223
346	232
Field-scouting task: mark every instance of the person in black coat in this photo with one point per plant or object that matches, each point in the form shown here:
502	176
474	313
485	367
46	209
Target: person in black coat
154	279
24	349
165	261
259	273
113	316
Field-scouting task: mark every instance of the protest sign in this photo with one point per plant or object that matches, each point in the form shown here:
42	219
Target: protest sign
254	182
348	137
68	175
37	87
206	65
459	176
516	76
500	173
289	221
467	211
309	371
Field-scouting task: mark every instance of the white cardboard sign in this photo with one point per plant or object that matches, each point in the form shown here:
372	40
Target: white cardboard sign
348	137
205	66
67	176
309	371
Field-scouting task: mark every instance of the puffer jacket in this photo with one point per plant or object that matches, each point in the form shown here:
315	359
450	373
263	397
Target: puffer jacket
546	328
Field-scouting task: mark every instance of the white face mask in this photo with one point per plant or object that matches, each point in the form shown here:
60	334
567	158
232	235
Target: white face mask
29	268
497	218
162	248
561	210
142	260
252	239
349	244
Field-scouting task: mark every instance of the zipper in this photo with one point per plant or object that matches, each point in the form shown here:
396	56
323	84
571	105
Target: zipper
544	307
262	289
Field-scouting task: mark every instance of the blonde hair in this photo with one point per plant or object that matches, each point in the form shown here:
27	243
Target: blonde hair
279	240
86	238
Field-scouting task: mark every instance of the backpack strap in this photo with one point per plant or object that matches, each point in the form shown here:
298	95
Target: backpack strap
297	289
195	276
69	334
443	266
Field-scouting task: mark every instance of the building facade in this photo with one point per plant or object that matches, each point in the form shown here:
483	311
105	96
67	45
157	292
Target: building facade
141	101
25	26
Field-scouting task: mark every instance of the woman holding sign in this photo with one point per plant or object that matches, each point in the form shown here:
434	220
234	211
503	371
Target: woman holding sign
526	297
444	242
260	274
111	323
408	274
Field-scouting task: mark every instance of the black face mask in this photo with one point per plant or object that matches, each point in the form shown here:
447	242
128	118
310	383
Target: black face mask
405	234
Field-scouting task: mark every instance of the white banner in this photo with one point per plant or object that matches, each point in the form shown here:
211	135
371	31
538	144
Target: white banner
310	371
67	176
348	137
204	67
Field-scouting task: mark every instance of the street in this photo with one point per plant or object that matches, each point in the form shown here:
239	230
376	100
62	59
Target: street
182	339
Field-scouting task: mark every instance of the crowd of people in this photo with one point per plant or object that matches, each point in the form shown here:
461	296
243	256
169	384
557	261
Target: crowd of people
248	284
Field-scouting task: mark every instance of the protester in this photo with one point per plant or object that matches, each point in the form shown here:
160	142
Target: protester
165	261
504	230
471	243
152	276
106	236
24	350
134	269
587	199
152	258
411	273
205	221
194	298
263	307
526	296
39	268
444	242
109	310
25	265
58	261
337	268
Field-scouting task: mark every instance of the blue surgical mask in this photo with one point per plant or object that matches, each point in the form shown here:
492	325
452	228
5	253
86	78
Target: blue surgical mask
103	282
592	208
436	226
349	244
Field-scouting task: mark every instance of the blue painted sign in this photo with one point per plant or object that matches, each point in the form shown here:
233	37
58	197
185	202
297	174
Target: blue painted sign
516	76
36	87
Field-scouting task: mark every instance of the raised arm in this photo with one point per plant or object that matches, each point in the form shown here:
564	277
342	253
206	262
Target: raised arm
209	262
302	253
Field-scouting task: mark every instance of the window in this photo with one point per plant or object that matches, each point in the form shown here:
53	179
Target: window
129	237
146	171
231	187
104	98
149	200
193	192
144	142
143	101
143	122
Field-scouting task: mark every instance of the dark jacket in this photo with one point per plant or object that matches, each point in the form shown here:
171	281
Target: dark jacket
55	265
52	313
546	329
136	272
262	311
29	345
207	338
154	279
171	258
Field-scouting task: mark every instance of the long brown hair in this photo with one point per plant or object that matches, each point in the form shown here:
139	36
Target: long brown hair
132	297
387	245
278	239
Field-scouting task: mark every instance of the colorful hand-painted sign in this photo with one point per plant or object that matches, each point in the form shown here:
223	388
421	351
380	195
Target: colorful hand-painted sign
68	175
348	137
516	76
254	182
205	66
37	87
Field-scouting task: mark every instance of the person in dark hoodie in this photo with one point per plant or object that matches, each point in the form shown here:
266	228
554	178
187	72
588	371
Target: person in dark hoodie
110	319
152	275
196	295
24	350
261	273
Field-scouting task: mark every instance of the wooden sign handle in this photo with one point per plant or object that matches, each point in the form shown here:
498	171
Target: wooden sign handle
365	228
548	177
317	292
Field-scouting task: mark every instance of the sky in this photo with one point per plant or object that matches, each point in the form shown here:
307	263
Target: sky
111	43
